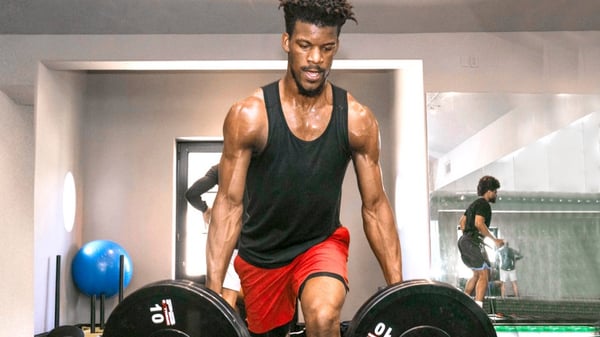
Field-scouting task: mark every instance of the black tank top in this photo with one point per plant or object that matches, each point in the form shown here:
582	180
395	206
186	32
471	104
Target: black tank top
294	186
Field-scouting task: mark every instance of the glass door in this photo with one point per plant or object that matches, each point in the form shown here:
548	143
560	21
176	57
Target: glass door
194	159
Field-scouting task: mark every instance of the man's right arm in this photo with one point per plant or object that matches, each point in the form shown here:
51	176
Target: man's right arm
462	223
482	228
242	131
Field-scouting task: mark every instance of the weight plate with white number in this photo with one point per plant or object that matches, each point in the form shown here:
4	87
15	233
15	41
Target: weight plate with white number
174	308
420	308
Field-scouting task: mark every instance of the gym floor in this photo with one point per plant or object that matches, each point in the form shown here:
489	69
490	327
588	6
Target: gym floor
534	317
546	330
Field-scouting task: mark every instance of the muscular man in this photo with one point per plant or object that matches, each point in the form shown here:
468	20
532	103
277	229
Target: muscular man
289	144
231	283
475	223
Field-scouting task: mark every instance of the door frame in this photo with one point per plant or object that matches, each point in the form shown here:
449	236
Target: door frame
184	148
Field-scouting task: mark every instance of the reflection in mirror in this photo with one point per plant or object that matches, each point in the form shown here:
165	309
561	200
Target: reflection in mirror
545	151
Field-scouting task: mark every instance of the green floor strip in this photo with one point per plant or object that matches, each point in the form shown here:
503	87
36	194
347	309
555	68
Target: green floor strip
544	328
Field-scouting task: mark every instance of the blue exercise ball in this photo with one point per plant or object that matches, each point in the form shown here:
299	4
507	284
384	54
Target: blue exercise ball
95	268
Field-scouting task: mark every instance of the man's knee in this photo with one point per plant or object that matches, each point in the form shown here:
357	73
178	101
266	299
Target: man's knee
321	300
321	316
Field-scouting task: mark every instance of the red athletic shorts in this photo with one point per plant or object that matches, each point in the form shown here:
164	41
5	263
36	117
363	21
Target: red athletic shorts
270	295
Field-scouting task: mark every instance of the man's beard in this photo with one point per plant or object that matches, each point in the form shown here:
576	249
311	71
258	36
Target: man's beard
492	200
309	92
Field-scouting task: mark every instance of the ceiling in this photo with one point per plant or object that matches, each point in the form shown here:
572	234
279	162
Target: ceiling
262	16
454	117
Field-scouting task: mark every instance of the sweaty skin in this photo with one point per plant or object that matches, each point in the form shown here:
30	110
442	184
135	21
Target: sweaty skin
306	99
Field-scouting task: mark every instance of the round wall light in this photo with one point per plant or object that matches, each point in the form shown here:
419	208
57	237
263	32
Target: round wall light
69	201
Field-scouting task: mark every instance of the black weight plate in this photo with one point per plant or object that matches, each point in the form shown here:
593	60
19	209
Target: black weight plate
174	308
66	330
420	308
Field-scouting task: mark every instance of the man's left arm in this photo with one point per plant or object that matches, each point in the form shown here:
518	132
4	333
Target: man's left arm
517	254
201	186
378	219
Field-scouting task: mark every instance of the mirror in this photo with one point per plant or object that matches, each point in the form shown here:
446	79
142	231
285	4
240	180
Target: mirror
545	151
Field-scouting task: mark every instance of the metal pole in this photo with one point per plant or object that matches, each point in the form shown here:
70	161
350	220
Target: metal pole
57	294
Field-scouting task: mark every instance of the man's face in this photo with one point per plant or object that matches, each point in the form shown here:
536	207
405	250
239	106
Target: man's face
310	52
492	194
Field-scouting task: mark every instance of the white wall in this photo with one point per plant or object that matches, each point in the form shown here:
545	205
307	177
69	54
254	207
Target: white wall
528	62
16	221
59	108
131	123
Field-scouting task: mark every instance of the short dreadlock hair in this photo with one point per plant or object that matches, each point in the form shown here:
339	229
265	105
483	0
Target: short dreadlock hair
322	13
487	183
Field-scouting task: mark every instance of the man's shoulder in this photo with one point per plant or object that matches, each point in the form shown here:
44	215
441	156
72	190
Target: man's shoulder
475	202
360	116
479	206
363	127
249	106
481	202
246	122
